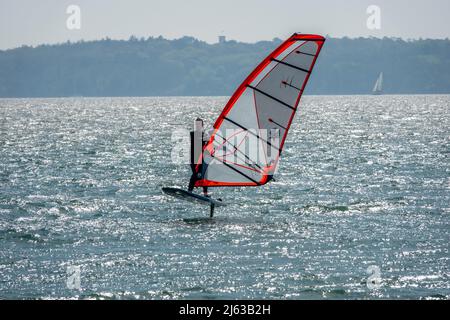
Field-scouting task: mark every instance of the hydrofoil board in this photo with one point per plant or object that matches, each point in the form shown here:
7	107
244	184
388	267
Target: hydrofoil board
192	197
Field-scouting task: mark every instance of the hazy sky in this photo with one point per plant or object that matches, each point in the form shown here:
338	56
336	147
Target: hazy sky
34	22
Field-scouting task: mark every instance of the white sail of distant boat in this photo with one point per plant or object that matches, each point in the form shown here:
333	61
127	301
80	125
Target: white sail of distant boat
378	88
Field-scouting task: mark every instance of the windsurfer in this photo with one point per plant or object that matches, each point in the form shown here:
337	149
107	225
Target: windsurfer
197	143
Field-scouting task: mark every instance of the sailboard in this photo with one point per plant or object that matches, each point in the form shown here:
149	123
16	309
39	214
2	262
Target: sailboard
248	136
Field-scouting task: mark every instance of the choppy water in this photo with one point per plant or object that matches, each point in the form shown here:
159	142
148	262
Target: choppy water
364	182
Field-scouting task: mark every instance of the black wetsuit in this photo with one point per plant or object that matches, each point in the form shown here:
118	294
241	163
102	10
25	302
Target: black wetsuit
197	144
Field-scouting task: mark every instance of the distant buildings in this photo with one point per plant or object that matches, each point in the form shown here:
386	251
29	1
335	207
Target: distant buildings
222	39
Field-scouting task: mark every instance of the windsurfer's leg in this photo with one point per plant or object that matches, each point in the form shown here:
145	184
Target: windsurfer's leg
193	179
191	183
205	191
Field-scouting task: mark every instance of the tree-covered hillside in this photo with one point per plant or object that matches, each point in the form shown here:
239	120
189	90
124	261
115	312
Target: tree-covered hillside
186	66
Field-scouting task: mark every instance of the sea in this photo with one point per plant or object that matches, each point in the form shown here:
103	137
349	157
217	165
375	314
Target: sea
359	209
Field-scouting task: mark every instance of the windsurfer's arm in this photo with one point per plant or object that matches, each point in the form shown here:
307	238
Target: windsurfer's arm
207	135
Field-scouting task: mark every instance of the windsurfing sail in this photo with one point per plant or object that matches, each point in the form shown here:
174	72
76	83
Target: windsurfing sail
248	136
378	88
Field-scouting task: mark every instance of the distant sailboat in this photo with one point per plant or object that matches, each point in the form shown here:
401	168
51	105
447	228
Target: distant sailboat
378	88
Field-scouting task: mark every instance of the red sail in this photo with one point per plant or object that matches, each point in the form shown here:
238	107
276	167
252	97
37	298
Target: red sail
243	149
